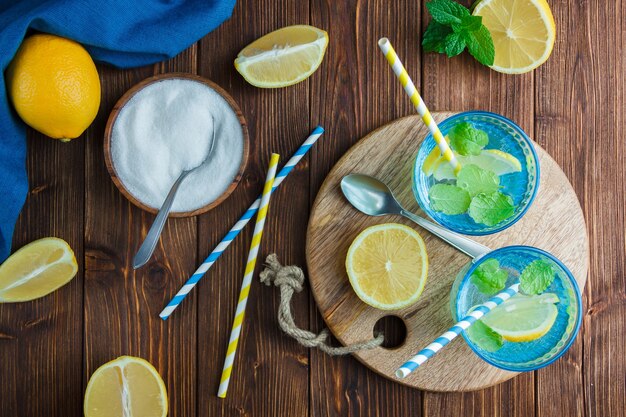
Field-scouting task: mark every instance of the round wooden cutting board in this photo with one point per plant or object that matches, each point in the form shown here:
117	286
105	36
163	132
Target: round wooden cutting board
554	222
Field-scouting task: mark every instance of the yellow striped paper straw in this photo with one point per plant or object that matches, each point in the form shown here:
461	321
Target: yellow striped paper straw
417	101
247	277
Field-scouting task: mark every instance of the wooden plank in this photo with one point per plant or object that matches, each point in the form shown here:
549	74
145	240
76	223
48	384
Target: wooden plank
354	92
41	341
581	120
462	84
122	305
270	375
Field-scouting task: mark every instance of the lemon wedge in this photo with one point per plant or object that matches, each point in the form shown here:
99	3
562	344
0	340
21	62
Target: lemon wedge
283	57
36	270
433	159
523	33
494	160
126	387
523	318
387	266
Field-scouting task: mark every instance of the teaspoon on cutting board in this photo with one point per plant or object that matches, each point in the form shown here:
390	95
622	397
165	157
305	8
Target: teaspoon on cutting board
147	247
374	198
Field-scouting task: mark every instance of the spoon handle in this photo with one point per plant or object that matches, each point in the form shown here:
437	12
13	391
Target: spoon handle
464	244
147	247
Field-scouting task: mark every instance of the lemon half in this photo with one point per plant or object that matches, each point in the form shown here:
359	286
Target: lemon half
523	33
387	266
126	387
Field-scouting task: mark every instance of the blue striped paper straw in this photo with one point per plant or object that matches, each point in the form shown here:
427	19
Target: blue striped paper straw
430	350
241	223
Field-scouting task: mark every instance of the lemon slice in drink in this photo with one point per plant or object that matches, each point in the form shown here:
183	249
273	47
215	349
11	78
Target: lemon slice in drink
283	57
523	318
523	33
432	160
387	266
126	386
494	160
36	270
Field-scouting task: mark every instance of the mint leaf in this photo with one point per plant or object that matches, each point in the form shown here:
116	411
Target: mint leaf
448	199
480	45
447	12
454	44
434	39
484	336
489	278
468	23
536	277
467	140
491	209
476	180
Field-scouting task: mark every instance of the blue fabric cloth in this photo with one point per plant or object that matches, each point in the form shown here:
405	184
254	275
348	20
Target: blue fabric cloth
123	33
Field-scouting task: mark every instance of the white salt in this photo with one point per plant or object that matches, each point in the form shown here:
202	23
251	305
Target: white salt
166	128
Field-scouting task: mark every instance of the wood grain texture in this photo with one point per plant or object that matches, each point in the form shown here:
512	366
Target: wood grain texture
554	222
573	106
270	371
121	304
580	104
41	341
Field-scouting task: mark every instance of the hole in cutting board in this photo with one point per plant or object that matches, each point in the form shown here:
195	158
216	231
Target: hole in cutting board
394	329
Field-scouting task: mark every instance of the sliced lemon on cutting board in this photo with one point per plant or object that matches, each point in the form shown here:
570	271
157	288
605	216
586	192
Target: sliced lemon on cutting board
523	318
387	266
36	270
283	57
523	33
126	387
494	160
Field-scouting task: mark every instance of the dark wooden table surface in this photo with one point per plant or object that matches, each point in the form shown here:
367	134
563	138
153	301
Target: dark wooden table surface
573	106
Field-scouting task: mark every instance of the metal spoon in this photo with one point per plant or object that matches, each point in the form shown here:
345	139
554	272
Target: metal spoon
147	247
374	198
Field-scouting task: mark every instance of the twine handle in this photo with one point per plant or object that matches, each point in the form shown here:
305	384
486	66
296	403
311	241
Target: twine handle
290	279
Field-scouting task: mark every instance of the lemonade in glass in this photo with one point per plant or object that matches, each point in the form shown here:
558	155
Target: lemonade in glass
497	182
531	329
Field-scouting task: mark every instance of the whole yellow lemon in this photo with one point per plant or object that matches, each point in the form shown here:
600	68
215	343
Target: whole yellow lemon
54	86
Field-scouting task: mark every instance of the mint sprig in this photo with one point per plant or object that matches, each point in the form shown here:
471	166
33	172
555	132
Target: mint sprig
453	28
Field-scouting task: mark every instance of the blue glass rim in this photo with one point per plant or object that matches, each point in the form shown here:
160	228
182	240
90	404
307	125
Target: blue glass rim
524	136
579	301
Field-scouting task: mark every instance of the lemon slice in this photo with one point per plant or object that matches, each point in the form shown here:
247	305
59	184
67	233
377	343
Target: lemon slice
387	266
494	160
36	270
433	159
523	318
126	387
283	57
523	33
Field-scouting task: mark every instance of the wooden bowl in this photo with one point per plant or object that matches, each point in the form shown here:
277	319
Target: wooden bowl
138	87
